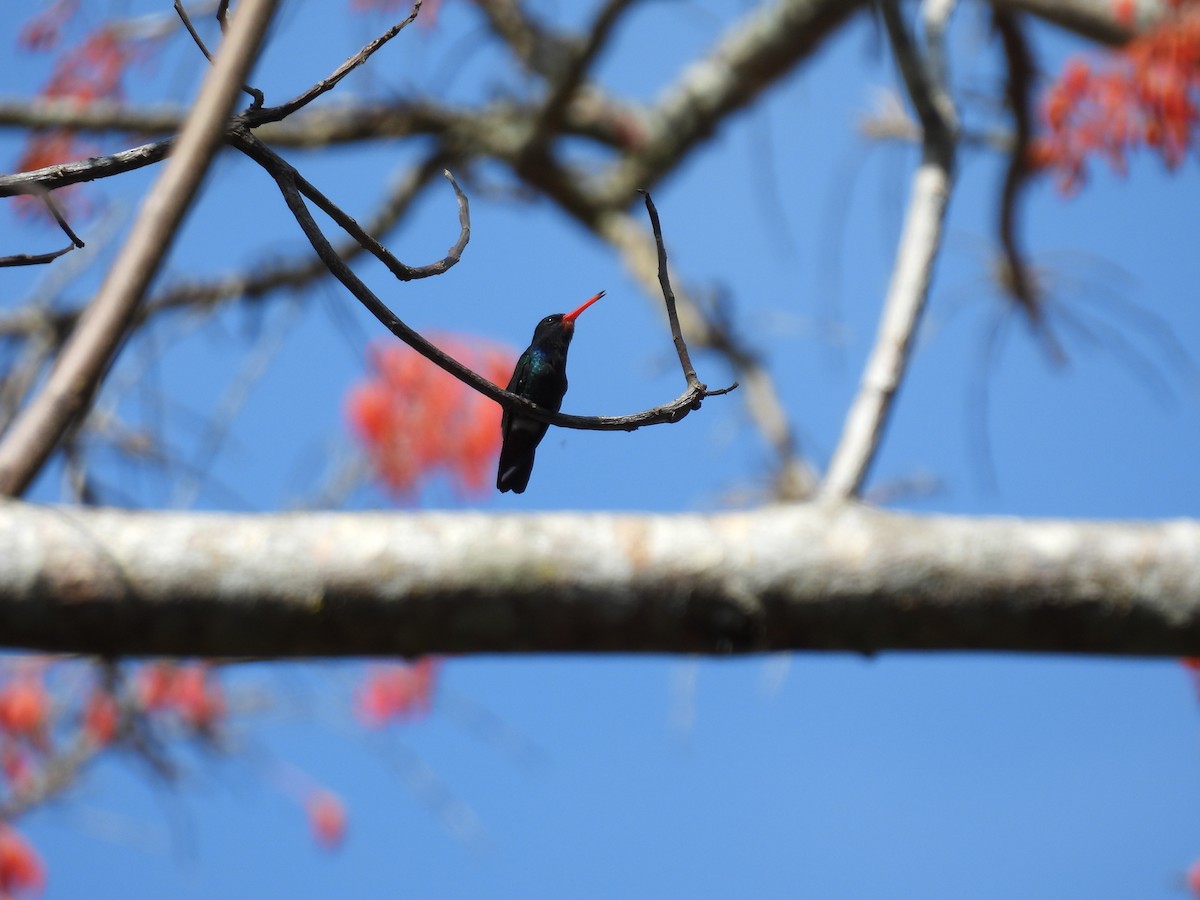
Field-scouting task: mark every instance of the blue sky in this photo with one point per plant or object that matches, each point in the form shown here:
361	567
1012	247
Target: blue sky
820	775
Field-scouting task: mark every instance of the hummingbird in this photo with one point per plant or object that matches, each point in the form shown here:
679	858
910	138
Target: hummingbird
540	376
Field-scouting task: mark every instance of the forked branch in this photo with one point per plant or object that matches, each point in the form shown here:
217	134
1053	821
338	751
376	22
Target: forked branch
916	254
294	188
37	259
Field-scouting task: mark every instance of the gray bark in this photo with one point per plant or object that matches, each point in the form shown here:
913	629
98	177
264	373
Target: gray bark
804	578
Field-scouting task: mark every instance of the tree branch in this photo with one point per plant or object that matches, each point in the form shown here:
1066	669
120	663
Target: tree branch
289	182
915	255
746	61
290	274
566	84
64	174
794	477
664	281
1097	20
277	113
799	577
256	96
71	384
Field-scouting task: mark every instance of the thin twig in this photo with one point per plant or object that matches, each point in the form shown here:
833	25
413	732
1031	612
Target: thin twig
187	23
794	478
289	275
915	255
275	113
90	350
37	259
48	200
685	360
256	96
371	245
1018	279
34	259
286	178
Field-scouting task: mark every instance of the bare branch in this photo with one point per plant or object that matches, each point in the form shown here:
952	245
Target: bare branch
794	477
256	96
539	49
1018	278
565	85
265	279
800	577
35	433
34	259
371	245
275	113
64	174
754	55
37	259
1097	20
915	255
50	204
591	115
664	279
288	179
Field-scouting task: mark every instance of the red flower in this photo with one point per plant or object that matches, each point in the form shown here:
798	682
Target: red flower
18	765
189	691
24	706
21	868
1192	878
198	697
43	30
415	420
92	70
398	691
1143	94
327	815
100	717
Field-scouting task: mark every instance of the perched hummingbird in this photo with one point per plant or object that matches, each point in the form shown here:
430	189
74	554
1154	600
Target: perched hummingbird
540	376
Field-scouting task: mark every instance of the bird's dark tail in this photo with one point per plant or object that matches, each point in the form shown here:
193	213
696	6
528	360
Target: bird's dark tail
516	454
515	469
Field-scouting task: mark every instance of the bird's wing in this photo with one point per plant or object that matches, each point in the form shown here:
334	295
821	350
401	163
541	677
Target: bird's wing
516	385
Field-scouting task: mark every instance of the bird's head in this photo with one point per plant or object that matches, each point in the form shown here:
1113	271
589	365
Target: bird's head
562	323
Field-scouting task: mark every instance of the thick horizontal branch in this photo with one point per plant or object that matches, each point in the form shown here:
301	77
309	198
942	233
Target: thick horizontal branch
785	578
346	122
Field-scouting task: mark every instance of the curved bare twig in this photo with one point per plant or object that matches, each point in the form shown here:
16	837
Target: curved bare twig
288	180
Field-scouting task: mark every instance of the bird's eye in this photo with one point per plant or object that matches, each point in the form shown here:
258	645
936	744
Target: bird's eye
549	320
